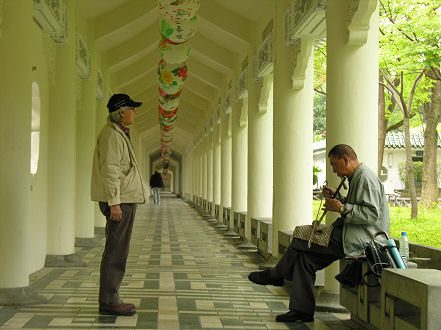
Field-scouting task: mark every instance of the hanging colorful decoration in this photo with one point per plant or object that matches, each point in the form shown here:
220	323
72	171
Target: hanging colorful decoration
179	10
167	114
171	77
166	136
178	32
165	127
168	104
167	121
177	27
174	53
169	96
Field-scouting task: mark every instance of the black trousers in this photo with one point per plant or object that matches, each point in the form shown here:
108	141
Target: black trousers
116	250
299	265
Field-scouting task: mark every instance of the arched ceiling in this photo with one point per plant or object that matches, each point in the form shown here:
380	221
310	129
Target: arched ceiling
127	35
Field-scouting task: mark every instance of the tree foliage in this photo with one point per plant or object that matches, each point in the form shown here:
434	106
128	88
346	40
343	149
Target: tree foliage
410	34
319	124
410	40
409	62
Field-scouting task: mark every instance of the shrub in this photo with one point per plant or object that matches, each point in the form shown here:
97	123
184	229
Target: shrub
417	172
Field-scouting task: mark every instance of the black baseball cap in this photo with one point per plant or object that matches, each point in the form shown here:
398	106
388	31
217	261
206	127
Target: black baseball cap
117	101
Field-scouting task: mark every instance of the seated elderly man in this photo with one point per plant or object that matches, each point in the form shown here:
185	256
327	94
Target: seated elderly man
363	212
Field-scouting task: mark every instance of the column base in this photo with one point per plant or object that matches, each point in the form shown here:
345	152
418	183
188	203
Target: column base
212	220
70	260
231	234
221	226
20	297
247	246
329	302
271	262
100	230
88	242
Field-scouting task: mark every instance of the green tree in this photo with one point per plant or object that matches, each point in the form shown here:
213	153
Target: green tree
409	63
319	124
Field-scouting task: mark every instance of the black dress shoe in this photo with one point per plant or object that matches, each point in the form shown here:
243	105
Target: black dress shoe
264	278
294	316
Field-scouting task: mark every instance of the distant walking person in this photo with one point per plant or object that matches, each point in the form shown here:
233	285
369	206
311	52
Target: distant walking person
156	184
118	186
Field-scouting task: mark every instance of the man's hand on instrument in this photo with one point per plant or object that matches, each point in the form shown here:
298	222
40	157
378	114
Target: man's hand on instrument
332	205
327	191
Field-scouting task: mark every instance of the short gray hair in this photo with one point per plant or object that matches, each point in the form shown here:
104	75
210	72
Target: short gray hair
342	149
115	116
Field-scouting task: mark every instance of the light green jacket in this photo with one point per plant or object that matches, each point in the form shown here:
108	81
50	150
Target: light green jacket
116	177
367	211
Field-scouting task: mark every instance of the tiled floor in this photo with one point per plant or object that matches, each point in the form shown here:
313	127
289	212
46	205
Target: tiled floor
181	274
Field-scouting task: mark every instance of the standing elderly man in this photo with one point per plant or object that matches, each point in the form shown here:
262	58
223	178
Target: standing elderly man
363	212
118	186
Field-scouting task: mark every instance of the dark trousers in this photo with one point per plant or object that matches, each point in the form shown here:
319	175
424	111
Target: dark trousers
116	250
299	265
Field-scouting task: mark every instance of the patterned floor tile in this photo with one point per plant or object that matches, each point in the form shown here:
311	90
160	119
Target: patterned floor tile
181	274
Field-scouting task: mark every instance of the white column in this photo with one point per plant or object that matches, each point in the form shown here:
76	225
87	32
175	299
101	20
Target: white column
226	161
210	167
15	143
85	143
204	167
293	136
186	175
239	160
216	165
190	170
260	156
200	169
195	172
100	121
352	93
62	130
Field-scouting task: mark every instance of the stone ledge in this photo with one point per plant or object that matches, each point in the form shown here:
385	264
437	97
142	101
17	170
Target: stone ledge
20	297
88	242
70	260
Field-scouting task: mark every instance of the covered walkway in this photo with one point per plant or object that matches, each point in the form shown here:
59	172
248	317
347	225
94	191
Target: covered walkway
181	274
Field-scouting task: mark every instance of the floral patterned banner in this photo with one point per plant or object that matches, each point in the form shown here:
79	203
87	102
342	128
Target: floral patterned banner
171	77
174	53
168	104
178	32
179	10
177	26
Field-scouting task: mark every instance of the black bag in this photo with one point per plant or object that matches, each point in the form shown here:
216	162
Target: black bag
378	256
350	276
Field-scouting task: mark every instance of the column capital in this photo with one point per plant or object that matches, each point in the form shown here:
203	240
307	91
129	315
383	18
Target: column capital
263	59
358	18
227	120
243	117
265	86
1	16
227	104
301	51
242	84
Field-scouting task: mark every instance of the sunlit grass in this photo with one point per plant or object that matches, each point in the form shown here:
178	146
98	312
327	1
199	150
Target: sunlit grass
425	229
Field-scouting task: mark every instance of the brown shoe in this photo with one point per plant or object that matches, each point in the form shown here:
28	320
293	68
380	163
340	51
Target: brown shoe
117	309
127	304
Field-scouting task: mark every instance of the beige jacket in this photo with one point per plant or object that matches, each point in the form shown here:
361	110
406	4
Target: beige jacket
116	177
